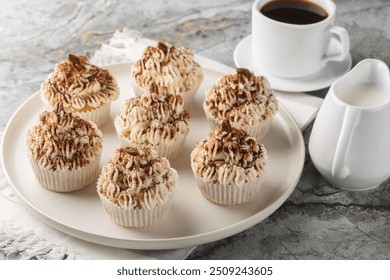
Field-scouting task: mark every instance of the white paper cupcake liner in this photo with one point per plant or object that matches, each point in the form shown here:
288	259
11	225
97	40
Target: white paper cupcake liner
187	96
98	115
258	131
138	91
168	149
136	217
66	180
229	194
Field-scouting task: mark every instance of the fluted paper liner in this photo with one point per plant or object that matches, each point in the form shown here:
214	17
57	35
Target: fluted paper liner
168	149
258	131
66	180
99	115
188	96
229	194
137	218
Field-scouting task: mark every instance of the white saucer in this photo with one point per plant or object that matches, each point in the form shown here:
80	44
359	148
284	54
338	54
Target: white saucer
322	79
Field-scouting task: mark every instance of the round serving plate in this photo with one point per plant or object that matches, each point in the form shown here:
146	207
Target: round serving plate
192	219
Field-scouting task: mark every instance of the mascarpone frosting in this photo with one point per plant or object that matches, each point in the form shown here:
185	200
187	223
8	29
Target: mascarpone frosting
63	141
169	67
228	156
153	117
242	98
137	178
79	85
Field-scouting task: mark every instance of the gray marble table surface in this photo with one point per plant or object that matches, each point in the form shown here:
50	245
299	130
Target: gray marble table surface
318	221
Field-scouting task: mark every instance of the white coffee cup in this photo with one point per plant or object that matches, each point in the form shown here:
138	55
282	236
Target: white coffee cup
350	140
292	50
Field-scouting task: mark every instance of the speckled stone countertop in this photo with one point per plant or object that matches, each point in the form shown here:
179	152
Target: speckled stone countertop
318	221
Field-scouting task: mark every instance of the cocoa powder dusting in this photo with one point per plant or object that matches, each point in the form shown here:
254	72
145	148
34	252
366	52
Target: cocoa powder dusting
65	133
72	77
226	126
154	88
243	71
74	58
162	47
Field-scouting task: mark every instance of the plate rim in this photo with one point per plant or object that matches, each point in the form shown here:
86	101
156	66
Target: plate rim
158	243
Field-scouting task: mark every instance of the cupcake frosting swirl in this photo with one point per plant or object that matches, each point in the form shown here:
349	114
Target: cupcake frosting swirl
153	117
137	178
242	98
169	67
79	85
228	155
63	141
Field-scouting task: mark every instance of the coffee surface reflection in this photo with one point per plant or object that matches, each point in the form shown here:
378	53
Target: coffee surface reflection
294	11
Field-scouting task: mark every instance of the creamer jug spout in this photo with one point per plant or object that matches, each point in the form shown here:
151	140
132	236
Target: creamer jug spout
367	85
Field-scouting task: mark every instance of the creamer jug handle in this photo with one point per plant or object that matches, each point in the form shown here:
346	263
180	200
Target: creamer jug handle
339	168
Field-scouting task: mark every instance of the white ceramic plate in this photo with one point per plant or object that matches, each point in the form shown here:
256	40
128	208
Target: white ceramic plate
192	219
322	79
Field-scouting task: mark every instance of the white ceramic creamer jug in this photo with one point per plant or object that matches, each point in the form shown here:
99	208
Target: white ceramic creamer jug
350	140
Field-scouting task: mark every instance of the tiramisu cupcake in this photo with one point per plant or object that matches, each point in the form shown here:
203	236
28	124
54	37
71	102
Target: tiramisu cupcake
82	88
169	67
157	119
136	187
246	100
64	150
229	165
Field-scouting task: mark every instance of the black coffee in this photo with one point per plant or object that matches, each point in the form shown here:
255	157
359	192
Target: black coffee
294	11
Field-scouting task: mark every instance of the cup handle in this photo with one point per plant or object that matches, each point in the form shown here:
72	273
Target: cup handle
341	35
339	169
